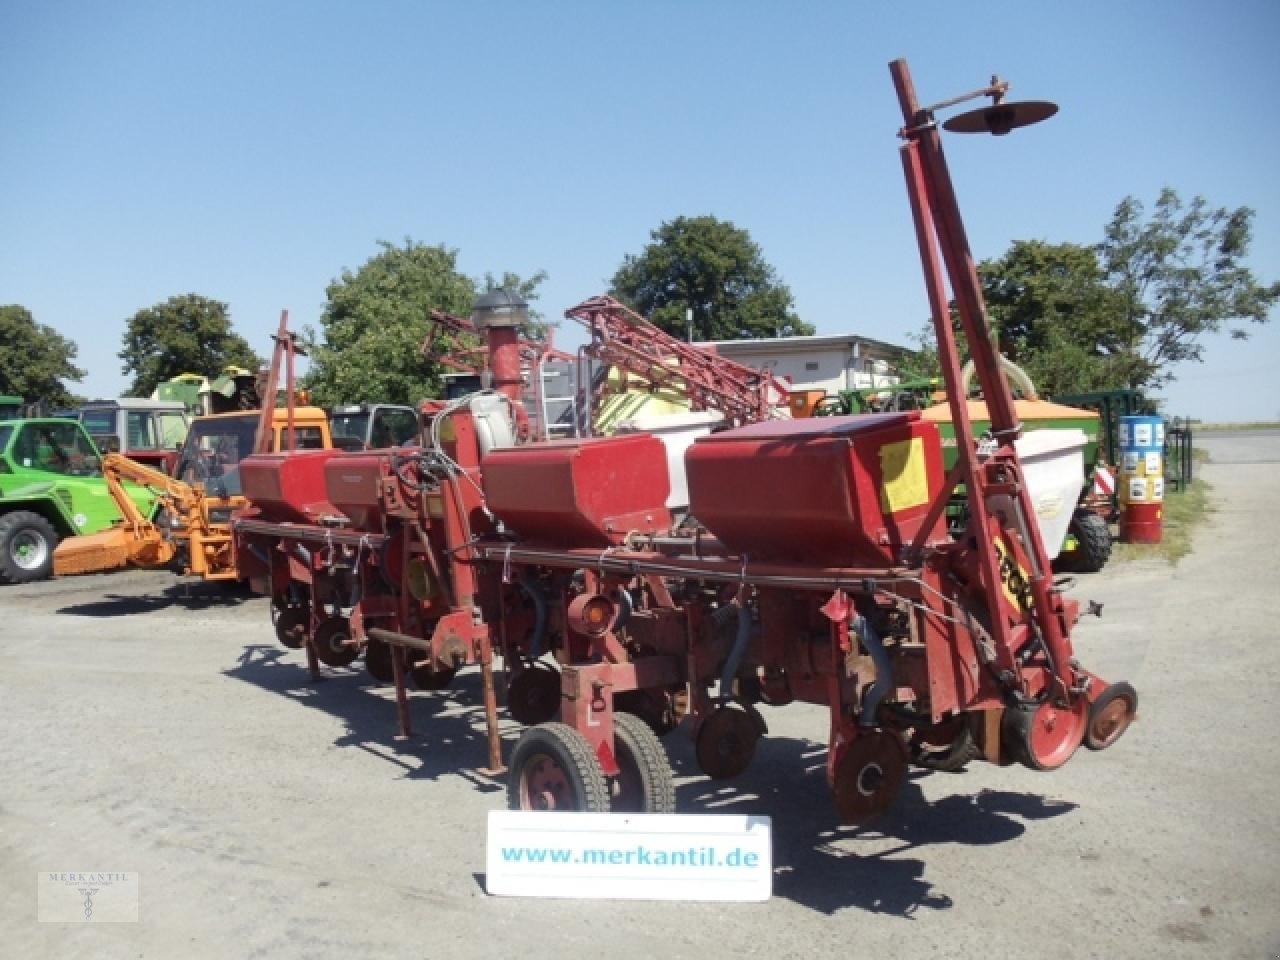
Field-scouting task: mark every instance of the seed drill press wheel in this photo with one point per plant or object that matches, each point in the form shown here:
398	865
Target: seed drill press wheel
727	741
869	775
554	768
292	624
1110	716
1045	736
948	745
533	696
644	783
377	660
427	676
333	643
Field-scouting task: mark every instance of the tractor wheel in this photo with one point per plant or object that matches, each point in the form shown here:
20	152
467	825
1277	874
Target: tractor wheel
1045	736
1093	544
533	696
27	541
554	768
1110	716
644	783
333	643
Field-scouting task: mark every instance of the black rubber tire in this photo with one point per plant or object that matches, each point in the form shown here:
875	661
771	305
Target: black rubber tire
566	749
28	526
952	758
644	783
1093	544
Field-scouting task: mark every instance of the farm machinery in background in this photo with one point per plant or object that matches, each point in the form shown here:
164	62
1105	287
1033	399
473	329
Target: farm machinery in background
191	528
52	491
814	564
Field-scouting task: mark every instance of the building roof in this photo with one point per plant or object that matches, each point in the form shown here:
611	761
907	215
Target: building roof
799	344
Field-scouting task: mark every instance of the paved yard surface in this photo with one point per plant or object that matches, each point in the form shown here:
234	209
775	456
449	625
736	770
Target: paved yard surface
147	729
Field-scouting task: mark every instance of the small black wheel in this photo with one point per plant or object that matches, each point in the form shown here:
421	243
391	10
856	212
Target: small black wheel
1092	547
377	660
727	741
292	626
948	746
554	768
1110	716
644	783
657	708
426	676
27	542
333	643
533	696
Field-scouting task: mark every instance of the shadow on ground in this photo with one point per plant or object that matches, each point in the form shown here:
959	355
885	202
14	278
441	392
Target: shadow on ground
816	859
185	595
448	725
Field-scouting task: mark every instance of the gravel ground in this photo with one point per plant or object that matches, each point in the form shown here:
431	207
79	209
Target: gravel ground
161	730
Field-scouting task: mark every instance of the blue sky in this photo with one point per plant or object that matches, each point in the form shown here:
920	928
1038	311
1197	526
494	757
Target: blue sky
251	151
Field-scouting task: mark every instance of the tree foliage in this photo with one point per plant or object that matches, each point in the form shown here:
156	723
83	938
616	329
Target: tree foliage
1123	312
1054	314
714	268
185	334
35	359
1181	276
375	320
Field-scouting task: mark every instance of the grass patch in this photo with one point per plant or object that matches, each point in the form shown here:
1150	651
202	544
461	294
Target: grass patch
1183	512
1228	427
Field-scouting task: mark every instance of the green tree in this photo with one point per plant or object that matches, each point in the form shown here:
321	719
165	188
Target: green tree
376	318
1053	313
35	359
714	268
185	334
1180	275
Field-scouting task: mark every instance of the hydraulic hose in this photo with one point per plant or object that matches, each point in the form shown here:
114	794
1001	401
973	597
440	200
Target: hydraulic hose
884	671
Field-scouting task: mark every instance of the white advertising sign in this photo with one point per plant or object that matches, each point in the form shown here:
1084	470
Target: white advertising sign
629	856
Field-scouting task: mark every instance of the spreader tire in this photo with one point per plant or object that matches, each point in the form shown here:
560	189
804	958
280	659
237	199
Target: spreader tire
27	542
1093	544
644	783
554	768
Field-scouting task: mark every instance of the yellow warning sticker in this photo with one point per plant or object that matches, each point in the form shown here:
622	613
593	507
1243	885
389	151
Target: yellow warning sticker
906	481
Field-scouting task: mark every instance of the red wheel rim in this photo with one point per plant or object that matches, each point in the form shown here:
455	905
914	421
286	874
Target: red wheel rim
544	786
1056	732
1110	723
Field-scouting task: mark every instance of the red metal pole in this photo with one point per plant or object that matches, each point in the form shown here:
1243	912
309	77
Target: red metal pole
922	131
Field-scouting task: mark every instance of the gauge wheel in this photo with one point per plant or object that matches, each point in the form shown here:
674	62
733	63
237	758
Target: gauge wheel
554	768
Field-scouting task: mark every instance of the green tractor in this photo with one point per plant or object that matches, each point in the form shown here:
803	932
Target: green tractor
51	487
